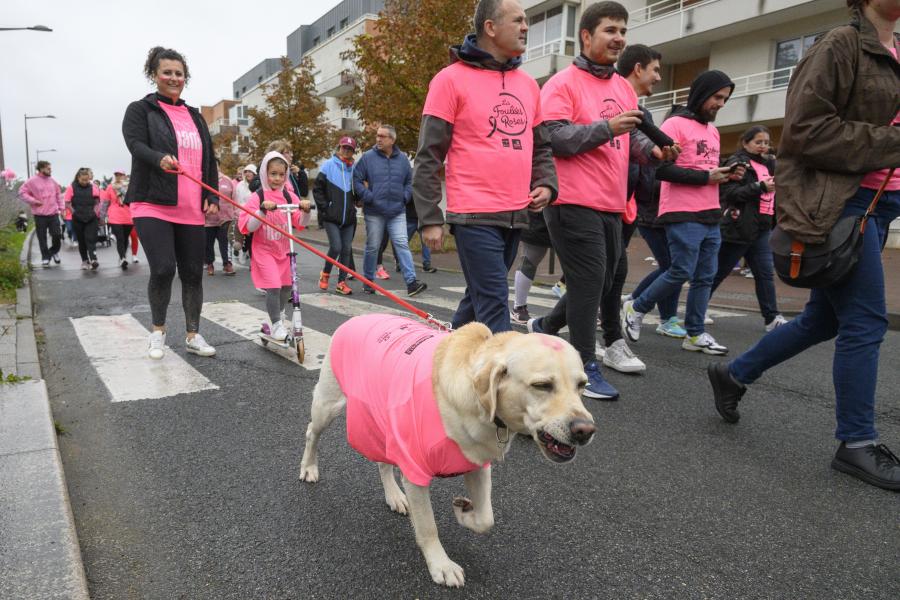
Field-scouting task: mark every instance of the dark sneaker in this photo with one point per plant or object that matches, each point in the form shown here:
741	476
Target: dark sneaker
597	387
368	290
874	464
428	268
94	264
416	287
55	258
726	391
519	315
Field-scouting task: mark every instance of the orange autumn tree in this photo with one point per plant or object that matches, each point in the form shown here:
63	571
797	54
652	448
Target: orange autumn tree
394	64
293	112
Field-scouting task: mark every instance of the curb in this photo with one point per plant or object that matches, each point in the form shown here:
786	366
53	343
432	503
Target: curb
46	559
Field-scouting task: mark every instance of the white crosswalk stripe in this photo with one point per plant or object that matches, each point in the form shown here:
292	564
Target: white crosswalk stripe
117	348
245	321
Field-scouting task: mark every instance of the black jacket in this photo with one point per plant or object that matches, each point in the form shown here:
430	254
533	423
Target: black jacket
642	183
333	193
741	221
149	136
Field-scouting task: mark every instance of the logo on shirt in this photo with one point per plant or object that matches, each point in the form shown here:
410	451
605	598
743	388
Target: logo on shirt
703	149
508	116
189	140
609	109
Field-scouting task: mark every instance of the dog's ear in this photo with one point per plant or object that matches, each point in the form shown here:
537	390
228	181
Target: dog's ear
487	384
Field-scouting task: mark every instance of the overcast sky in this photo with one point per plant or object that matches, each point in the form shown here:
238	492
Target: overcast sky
90	67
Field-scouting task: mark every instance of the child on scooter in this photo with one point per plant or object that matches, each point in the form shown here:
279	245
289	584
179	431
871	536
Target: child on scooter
270	267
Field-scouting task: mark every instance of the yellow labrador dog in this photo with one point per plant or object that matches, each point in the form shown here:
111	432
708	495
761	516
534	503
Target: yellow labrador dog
443	404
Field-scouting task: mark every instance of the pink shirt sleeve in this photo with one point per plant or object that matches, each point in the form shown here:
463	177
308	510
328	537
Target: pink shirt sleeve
67	197
556	103
442	100
252	205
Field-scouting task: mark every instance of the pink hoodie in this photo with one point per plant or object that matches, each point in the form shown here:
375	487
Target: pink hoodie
42	194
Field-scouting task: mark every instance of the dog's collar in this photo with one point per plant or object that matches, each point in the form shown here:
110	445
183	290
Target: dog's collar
501	425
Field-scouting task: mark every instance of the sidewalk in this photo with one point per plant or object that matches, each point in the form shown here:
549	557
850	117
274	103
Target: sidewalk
736	292
39	553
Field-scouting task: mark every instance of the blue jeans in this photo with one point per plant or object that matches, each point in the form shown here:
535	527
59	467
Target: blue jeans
396	230
340	246
411	228
759	259
656	240
855	313
486	254
694	250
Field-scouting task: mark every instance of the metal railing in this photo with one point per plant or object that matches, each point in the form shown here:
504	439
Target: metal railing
747	85
343	79
663	8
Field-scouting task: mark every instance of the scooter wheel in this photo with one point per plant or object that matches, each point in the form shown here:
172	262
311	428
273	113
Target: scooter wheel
301	351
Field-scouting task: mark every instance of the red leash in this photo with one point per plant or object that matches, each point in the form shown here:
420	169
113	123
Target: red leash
428	317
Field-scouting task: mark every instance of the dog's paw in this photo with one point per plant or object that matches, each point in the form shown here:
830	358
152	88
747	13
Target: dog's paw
309	473
397	501
468	517
446	572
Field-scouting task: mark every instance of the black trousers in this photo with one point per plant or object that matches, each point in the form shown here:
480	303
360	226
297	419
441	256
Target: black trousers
86	234
589	244
48	224
167	246
123	236
611	303
218	233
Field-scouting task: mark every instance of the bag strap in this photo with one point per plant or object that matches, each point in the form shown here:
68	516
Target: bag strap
862	226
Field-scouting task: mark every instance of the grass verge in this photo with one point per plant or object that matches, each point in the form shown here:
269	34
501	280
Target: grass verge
12	273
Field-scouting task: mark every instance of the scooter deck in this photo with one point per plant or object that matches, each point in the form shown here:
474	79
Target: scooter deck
268	339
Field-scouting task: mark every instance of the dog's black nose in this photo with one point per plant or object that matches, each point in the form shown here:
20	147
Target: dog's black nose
581	430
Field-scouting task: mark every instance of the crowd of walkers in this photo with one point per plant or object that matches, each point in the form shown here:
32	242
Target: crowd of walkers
583	169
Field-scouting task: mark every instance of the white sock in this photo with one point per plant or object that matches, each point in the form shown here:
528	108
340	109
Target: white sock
862	444
523	286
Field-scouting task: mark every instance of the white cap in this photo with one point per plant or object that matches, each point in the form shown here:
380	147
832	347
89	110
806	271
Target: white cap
250	168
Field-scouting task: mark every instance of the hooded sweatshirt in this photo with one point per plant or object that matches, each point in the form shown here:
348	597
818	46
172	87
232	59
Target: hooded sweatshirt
269	263
483	117
42	194
686	195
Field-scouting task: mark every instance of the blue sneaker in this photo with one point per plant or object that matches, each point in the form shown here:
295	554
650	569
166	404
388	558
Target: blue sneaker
598	387
534	326
671	328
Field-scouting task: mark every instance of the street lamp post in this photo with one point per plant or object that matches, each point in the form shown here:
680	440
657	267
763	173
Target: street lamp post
27	152
37	154
32	28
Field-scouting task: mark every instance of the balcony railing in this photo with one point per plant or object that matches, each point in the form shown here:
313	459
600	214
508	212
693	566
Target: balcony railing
747	85
661	9
337	85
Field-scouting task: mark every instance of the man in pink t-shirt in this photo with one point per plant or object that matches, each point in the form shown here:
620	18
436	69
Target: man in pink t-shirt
591	112
689	210
482	115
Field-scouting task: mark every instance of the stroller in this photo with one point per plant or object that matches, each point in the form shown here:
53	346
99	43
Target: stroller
105	236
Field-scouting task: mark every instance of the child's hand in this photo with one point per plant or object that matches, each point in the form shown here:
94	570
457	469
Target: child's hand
269	205
305	205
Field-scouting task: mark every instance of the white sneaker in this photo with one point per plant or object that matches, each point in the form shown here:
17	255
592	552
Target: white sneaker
619	356
778	321
631	321
198	345
157	348
55	258
134	260
279	332
707	320
703	343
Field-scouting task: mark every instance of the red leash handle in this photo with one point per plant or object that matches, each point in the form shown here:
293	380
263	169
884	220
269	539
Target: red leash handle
428	317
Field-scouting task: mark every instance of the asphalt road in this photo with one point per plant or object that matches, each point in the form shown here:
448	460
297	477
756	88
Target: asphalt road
196	495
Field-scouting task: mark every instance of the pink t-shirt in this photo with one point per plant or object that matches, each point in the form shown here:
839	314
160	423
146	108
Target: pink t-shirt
392	416
117	214
875	179
700	152
766	200
493	114
189	210
269	263
596	179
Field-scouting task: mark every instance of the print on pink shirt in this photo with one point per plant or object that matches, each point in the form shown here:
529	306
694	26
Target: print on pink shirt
510	114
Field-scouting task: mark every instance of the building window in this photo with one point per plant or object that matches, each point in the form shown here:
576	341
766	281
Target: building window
552	32
344	23
330	32
237	94
316	41
789	52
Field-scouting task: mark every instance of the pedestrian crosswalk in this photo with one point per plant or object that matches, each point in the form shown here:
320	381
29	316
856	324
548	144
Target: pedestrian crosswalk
116	344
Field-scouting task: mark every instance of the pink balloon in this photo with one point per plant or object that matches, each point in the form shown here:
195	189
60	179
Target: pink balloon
8	174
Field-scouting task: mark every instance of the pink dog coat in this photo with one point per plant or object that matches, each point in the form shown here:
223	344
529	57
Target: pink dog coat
383	364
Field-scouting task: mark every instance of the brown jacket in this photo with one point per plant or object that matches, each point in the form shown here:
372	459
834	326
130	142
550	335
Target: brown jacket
840	101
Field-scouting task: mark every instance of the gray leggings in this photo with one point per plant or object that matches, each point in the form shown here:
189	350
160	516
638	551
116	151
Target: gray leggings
276	301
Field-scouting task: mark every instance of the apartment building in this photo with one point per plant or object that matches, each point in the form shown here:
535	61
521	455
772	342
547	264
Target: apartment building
757	42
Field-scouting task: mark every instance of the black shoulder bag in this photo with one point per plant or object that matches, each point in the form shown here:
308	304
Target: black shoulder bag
827	264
